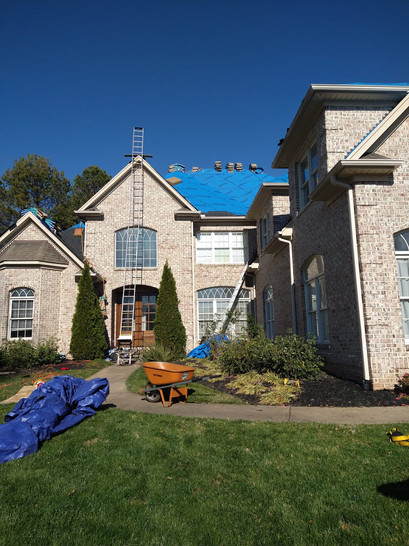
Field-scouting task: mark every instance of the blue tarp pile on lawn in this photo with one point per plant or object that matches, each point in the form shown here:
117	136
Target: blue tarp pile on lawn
57	405
204	350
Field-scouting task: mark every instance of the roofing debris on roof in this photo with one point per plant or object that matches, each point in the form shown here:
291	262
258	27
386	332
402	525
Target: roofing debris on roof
43	217
230	190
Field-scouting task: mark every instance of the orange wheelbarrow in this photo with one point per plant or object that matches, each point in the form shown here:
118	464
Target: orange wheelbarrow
171	378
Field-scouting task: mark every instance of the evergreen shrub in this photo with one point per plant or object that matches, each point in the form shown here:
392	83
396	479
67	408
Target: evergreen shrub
88	334
158	353
169	329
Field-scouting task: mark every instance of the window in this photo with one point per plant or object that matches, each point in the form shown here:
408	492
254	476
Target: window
212	306
316	300
268	312
21	313
402	260
308	175
148	312
221	247
265	230
142	241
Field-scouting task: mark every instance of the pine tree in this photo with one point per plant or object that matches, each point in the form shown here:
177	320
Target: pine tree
88	335
169	330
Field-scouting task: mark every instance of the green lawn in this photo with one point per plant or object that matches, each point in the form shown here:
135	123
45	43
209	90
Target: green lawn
123	478
11	383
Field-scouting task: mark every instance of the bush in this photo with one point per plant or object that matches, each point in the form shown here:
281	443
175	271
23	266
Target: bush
296	357
403	384
290	356
158	353
24	354
169	329
244	355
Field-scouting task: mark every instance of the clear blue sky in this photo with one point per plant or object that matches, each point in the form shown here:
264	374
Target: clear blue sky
208	80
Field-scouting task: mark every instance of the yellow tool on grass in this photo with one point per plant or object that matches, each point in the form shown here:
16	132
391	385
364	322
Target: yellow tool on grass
398	437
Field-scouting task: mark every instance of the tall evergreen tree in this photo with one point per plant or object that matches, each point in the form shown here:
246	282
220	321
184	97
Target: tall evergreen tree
169	330
88	335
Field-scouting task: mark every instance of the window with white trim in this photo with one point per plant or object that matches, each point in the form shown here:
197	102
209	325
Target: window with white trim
316	300
268	311
307	175
265	234
212	304
221	247
21	312
141	241
402	260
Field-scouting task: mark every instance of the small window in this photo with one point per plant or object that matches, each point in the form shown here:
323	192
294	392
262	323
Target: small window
212	307
316	300
21	313
136	248
268	310
221	247
402	261
265	234
308	175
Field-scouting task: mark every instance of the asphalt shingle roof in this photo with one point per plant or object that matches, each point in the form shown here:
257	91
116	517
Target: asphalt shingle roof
32	251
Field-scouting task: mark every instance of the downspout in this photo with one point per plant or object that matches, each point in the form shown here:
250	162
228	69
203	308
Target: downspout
357	279
293	308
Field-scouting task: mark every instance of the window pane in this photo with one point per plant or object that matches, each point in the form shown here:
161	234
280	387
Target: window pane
402	241
221	255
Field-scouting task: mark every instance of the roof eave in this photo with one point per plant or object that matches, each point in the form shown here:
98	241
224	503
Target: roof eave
313	103
351	171
264	192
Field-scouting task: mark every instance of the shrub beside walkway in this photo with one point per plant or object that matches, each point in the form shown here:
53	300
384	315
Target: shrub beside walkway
123	399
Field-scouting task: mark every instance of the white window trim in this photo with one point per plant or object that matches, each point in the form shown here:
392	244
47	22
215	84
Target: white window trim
312	181
244	297
320	309
268	300
143	266
212	247
20	298
402	254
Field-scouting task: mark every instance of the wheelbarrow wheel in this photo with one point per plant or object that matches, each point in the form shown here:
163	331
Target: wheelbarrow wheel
152	396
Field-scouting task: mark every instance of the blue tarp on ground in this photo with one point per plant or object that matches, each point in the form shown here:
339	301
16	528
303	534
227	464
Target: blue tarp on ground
204	350
57	405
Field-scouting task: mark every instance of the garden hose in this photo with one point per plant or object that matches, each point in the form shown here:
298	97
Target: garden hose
398	437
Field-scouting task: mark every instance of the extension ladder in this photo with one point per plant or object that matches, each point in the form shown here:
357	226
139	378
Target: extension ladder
133	269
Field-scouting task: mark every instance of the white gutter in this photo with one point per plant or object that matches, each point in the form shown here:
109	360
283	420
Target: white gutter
194	304
293	308
357	279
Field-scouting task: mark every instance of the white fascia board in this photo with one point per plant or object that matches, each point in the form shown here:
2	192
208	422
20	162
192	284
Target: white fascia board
29	216
266	189
383	130
27	264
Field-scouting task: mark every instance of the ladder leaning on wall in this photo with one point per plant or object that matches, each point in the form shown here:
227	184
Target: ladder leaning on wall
132	270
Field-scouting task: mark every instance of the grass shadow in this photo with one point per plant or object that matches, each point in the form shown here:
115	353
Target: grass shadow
396	490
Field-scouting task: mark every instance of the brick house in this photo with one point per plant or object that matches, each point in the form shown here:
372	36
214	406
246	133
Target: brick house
194	220
342	263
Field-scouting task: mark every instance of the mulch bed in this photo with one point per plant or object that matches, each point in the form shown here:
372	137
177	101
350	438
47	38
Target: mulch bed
329	391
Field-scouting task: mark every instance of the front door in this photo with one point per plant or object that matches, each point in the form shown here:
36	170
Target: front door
145	309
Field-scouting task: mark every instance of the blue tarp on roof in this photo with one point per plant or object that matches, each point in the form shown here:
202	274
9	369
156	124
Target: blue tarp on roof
211	191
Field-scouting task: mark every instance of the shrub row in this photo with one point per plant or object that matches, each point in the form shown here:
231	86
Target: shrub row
290	356
24	354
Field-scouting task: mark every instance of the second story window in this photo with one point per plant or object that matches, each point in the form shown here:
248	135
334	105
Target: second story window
221	247
308	175
265	235
137	251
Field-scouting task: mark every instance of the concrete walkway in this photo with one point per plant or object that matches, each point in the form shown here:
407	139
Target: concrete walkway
123	399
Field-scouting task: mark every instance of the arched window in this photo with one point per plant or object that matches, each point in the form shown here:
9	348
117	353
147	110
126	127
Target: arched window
268	311
316	299
142	241
212	306
402	260
21	313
